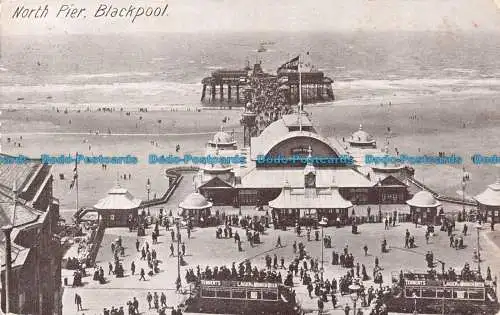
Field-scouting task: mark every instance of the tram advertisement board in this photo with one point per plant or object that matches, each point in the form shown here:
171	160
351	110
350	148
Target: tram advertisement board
218	283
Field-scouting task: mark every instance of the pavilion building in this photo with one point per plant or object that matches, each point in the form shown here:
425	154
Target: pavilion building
309	203
423	208
489	202
391	178
118	207
289	140
196	208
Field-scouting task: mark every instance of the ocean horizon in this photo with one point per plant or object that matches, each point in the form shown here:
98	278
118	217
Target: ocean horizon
167	68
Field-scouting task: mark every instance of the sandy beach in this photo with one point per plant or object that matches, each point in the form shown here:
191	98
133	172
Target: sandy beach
463	125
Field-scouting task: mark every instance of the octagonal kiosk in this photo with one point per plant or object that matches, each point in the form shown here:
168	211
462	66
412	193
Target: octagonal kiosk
196	208
423	208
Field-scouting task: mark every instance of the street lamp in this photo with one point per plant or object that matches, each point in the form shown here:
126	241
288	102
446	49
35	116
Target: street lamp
323	223
148	189
478	227
354	288
465	178
379	186
178	281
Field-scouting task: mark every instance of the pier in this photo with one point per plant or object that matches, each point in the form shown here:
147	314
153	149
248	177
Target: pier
229	86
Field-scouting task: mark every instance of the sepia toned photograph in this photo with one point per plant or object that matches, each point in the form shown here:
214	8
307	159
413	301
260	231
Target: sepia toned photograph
169	157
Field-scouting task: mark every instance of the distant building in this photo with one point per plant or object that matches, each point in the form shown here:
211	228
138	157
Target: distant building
489	202
35	252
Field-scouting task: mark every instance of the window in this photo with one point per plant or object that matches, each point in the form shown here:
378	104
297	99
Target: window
429	293
446	293
476	294
254	295
239	293
112	217
223	293
208	292
412	293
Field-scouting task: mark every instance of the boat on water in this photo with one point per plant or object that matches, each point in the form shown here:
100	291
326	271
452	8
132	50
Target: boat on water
262	48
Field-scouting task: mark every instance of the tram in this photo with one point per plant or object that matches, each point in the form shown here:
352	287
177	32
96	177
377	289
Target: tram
239	297
435	294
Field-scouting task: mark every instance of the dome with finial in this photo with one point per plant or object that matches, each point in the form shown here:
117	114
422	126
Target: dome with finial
423	199
222	138
491	196
195	201
361	137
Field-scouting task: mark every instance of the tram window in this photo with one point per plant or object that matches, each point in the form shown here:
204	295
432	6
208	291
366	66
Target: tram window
254	295
239	294
447	294
429	293
269	295
459	294
223	294
207	293
411	293
476	294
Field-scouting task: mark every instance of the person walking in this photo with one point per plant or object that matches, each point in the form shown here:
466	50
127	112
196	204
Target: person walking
143	273
149	298
278	242
321	305
78	302
132	268
135	303
347	309
110	267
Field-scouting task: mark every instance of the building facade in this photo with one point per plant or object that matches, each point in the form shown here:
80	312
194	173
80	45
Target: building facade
28	206
280	154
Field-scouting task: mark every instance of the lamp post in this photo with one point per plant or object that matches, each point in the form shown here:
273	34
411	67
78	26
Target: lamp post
178	282
379	186
7	229
465	178
354	288
148	189
478	227
322	223
415	303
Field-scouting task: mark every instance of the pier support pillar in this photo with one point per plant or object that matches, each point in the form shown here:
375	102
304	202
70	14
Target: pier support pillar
237	93
213	93
203	92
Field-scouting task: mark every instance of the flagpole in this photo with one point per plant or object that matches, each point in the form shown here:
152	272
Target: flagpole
76	179
300	95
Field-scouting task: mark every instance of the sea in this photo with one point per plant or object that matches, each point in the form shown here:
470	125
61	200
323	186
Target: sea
165	69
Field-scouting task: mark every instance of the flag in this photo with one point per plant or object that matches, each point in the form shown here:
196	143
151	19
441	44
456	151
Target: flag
293	64
75	173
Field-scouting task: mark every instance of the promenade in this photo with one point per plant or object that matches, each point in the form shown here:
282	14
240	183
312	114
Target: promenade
205	250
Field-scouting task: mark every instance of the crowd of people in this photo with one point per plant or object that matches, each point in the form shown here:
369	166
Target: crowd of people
267	100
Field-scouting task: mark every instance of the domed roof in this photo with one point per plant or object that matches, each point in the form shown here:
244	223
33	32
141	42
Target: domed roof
491	196
222	137
423	199
361	136
195	201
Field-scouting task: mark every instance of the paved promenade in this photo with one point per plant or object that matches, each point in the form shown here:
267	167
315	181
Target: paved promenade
204	249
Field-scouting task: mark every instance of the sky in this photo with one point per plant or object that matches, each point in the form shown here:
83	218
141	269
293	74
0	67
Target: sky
264	15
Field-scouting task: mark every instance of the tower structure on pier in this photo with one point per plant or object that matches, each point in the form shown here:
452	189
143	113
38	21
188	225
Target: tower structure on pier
249	122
